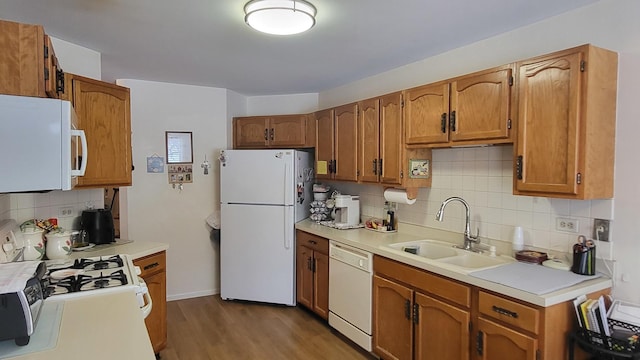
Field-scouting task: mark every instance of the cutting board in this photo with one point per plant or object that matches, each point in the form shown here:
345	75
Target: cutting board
532	278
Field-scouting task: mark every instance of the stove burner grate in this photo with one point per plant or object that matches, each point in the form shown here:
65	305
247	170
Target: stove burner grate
99	264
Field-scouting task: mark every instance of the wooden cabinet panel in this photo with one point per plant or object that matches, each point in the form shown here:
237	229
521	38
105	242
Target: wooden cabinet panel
250	132
392	326
442	330
53	74
324	143
312	273
482	106
153	269
276	131
426	112
22	59
519	315
566	124
391	144
369	140
103	111
346	144
321	284
497	341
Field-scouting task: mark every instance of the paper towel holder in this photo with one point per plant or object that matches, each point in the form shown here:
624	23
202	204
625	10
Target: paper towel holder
412	192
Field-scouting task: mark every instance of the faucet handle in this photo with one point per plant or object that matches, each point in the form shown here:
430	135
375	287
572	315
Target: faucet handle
476	237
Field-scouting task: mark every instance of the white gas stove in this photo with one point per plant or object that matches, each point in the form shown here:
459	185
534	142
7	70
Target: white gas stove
93	276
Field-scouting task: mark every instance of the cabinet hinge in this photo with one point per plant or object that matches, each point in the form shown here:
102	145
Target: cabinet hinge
579	178
358	173
402	103
538	354
416	313
46	52
46	73
509	124
510	80
519	167
401	174
470	327
479	345
407	309
583	64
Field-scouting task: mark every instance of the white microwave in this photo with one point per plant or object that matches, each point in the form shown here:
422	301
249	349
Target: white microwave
41	148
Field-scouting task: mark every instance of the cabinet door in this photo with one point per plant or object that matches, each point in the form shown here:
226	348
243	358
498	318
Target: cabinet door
154	274
494	341
103	111
304	276
391	144
426	114
321	284
346	142
548	124
53	75
392	326
324	144
251	132
442	331
369	140
287	131
22	59
480	106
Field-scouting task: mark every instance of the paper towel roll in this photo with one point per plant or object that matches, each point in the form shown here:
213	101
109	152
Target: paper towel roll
398	196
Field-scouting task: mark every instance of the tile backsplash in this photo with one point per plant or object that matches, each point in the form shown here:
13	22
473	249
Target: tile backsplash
483	176
27	206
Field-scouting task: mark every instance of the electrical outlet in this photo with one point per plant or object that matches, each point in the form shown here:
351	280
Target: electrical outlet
601	229
65	211
567	225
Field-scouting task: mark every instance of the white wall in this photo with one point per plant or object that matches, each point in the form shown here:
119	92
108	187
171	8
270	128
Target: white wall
610	24
282	104
158	212
81	61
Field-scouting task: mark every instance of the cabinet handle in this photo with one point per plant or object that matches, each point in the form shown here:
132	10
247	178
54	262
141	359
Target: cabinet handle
313	266
506	312
443	123
479	342
313	242
273	132
452	121
380	167
416	313
266	134
151	266
519	167
334	166
59	81
375	166
407	309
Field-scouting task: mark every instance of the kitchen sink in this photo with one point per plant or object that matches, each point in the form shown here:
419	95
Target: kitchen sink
474	261
429	249
446	255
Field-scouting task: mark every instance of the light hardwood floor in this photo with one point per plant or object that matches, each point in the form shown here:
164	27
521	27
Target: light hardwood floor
211	328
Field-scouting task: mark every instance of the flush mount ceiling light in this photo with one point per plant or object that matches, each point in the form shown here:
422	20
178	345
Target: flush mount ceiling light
280	17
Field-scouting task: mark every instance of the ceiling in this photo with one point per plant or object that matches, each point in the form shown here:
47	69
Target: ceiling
206	42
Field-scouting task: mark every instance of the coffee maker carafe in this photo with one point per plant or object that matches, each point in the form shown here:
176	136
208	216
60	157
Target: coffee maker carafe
347	210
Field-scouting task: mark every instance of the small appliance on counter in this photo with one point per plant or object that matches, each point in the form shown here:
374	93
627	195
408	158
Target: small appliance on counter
347	210
98	224
21	298
11	241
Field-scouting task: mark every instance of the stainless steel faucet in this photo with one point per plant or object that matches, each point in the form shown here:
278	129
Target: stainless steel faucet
468	238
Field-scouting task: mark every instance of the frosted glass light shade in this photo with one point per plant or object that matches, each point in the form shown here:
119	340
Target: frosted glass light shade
280	17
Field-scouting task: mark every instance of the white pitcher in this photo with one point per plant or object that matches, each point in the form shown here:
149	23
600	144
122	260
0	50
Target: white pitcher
33	243
58	245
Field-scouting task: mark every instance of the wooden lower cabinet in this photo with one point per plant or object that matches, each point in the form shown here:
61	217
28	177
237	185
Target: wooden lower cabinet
312	273
409	322
496	341
154	273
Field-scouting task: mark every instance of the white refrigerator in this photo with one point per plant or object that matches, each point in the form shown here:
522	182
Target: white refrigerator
263	193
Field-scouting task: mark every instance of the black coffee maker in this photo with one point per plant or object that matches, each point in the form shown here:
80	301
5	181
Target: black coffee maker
98	224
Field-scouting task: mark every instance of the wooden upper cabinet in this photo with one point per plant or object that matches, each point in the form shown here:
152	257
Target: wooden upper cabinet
566	124
471	109
346	145
324	143
380	139
426	113
28	66
278	131
104	113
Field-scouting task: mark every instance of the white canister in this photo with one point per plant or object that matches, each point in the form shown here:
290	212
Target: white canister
33	243
58	245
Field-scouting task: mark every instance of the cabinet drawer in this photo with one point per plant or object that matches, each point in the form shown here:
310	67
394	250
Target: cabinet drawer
313	242
510	312
152	264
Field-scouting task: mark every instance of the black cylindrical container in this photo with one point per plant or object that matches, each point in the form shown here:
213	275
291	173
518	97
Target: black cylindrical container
98	223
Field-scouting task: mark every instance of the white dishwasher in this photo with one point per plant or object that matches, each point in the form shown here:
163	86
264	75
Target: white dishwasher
350	274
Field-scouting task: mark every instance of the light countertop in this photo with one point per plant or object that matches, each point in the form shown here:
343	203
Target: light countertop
136	249
375	242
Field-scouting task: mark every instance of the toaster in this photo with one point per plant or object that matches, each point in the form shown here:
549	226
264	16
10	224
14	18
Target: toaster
19	310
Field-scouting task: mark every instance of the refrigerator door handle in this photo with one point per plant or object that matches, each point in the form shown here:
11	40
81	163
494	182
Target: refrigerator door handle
288	226
289	181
